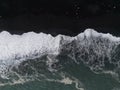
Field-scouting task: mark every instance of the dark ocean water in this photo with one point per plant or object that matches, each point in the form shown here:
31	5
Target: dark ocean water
82	75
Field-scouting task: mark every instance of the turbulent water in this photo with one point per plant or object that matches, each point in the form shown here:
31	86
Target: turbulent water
88	61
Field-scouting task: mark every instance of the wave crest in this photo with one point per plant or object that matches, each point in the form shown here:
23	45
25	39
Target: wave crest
92	48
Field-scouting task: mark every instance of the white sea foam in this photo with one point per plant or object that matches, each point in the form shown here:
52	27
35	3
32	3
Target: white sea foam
68	80
16	48
92	33
29	44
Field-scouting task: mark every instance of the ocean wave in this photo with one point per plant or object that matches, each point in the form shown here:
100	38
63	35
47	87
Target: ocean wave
94	49
32	44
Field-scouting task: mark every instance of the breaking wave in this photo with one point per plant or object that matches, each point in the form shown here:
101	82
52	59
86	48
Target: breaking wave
26	55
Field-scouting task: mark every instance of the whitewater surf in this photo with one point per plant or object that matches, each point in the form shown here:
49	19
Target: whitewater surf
42	57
